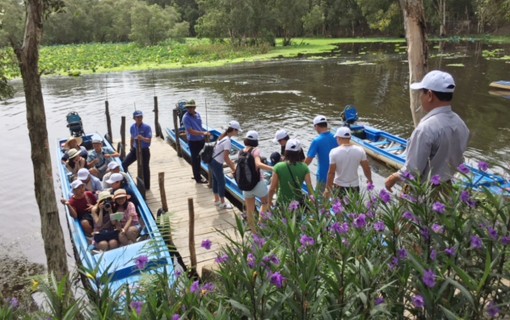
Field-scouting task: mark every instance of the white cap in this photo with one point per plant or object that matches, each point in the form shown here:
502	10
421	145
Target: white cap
235	125
293	145
113	165
252	135
343	132
83	174
436	80
319	119
76	184
97	140
280	134
115	177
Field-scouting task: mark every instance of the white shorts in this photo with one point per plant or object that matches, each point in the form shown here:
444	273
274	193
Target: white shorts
259	191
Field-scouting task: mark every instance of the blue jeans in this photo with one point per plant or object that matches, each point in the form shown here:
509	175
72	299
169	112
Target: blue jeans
218	184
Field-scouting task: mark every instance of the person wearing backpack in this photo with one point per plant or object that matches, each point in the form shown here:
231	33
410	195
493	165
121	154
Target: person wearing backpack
221	155
250	179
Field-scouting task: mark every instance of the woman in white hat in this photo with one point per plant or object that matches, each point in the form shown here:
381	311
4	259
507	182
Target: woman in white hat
75	162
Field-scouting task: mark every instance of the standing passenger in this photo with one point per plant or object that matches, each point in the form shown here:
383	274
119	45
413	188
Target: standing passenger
196	137
281	137
221	154
320	147
143	133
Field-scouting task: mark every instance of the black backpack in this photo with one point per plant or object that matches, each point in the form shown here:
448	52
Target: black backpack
247	176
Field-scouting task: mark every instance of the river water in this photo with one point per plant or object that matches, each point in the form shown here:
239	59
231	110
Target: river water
261	96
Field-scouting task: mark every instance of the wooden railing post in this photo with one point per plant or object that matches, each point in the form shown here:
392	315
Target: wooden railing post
108	122
192	252
157	126
122	138
176	128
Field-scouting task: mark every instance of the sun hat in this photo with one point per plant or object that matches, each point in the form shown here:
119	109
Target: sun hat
120	193
235	125
190	104
76	184
113	165
103	195
436	80
319	119
137	113
293	145
343	132
83	174
97	140
252	135
280	134
73	153
78	140
115	177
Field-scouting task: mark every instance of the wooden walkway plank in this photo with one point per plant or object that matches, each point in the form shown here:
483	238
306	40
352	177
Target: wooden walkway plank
179	186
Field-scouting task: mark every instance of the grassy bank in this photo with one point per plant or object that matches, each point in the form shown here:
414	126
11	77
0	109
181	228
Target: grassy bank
74	60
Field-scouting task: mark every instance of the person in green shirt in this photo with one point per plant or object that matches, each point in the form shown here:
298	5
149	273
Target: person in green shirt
288	176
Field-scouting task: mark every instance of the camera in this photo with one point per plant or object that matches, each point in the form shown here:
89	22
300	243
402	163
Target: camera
108	204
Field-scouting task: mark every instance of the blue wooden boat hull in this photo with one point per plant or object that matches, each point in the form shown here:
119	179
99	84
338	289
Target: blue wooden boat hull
120	263
391	150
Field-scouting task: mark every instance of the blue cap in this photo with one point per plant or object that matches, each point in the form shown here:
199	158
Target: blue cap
137	113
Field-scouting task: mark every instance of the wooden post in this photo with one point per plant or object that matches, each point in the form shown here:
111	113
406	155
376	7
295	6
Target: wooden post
162	193
176	128
192	252
123	138
108	122
140	181
156	119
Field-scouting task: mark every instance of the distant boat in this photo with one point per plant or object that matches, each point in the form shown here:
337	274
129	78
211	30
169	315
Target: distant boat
501	93
504	85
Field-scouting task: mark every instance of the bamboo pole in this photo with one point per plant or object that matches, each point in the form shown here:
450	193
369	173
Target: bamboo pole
108	122
140	181
159	133
162	192
176	128
192	252
123	137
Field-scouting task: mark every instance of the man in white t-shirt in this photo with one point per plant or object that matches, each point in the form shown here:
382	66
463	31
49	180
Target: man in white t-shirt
343	165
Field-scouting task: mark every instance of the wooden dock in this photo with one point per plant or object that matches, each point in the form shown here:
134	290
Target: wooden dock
179	186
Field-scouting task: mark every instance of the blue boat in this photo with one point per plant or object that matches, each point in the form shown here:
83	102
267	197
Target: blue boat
119	264
502	84
391	150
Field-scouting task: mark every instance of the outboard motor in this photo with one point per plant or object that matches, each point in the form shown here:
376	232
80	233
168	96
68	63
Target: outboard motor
349	115
74	124
181	109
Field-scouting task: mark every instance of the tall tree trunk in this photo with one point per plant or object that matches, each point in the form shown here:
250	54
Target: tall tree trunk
414	23
28	59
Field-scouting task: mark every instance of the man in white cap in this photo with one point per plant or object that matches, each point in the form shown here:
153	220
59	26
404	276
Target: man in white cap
343	165
99	157
320	147
196	136
438	143
281	137
91	183
80	205
113	167
140	133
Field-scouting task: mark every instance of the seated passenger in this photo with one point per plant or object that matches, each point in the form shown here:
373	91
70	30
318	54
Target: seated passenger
75	162
80	205
99	158
125	218
105	235
113	167
91	183
74	143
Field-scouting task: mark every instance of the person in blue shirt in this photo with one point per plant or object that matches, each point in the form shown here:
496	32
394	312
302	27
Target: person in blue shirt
320	147
143	133
196	135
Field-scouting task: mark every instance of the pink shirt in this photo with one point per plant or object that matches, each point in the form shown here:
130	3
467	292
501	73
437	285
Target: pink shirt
130	212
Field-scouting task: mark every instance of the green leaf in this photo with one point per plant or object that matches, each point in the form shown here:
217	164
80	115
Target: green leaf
462	289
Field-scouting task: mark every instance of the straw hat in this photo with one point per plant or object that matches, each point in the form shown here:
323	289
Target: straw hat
103	195
120	193
73	153
78	140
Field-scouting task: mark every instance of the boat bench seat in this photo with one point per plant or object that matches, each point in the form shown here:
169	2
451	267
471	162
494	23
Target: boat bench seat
394	149
379	143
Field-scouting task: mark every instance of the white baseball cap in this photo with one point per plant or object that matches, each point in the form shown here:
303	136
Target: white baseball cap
83	174
235	125
115	177
436	80
280	134
252	135
76	184
343	132
113	165
319	119
293	145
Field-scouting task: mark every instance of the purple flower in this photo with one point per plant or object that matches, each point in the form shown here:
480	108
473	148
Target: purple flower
437	228
370	186
433	254
251	260
402	254
13	303
379	300
451	251
435	180
505	240
408	176
293	205
409	216
343	228
208	287
408	197
337	207
465	196
271	259
141	262
379	226
493	233
178	273
259	241
393	264
360	222
476	242
429	278
482	165
438	207
307	241
418	301
277	279
425	233
176	317
463	169
221	259
195	287
265	215
385	196
206	244
137	306
492	310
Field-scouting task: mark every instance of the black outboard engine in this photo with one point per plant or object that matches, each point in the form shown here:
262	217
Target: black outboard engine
349	115
181	109
74	124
